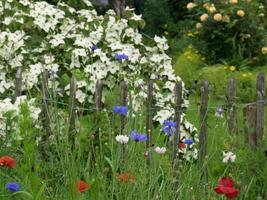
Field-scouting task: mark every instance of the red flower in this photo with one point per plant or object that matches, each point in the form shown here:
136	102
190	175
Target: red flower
227	182
226	187
82	186
231	193
125	177
7	161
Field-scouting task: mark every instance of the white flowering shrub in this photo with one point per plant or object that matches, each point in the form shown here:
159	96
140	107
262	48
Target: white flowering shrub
10	114
37	36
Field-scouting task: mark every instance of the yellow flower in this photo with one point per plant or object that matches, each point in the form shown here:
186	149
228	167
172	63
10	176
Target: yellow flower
244	75
199	26
204	17
212	9
233	2
264	50
232	68
190	34
190	5
240	13
217	17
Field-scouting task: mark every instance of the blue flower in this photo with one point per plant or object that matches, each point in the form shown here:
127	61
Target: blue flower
188	141
122	110
13	187
169	123
138	137
219	112
121	56
94	47
168	127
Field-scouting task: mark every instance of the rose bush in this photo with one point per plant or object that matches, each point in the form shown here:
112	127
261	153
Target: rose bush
37	36
232	30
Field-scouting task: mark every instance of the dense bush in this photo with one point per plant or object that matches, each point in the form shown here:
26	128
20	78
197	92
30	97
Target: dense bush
230	30
190	65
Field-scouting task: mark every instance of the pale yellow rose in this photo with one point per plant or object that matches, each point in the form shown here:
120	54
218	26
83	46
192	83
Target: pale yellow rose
204	17
233	2
240	13
206	5
199	26
190	5
217	17
264	50
212	9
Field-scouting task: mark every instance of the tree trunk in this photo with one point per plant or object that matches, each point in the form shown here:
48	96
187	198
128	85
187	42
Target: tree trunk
118	6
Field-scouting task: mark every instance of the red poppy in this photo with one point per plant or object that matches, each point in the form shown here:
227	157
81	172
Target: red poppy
125	177
82	186
231	193
7	161
226	187
227	182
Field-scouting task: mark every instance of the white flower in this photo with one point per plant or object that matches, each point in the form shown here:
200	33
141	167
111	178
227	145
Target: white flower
136	17
228	157
122	139
160	150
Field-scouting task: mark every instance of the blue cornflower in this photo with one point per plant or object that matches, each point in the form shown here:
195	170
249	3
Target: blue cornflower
13	187
121	56
168	127
169	123
94	47
188	141
122	110
138	137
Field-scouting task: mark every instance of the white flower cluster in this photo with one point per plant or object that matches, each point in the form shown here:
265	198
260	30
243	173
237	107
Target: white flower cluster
13	111
122	139
228	157
64	40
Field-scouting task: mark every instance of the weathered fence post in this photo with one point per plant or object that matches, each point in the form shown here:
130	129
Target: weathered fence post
46	103
260	106
18	84
123	100
149	122
231	95
250	135
72	112
98	95
176	139
203	131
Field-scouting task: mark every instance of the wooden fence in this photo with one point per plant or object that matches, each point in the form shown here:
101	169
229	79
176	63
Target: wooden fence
253	116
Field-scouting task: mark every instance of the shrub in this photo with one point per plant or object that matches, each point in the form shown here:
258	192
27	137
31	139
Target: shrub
230	30
37	37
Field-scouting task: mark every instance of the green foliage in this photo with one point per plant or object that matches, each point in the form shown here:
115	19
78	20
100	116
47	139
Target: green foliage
232	32
156	14
186	65
191	68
